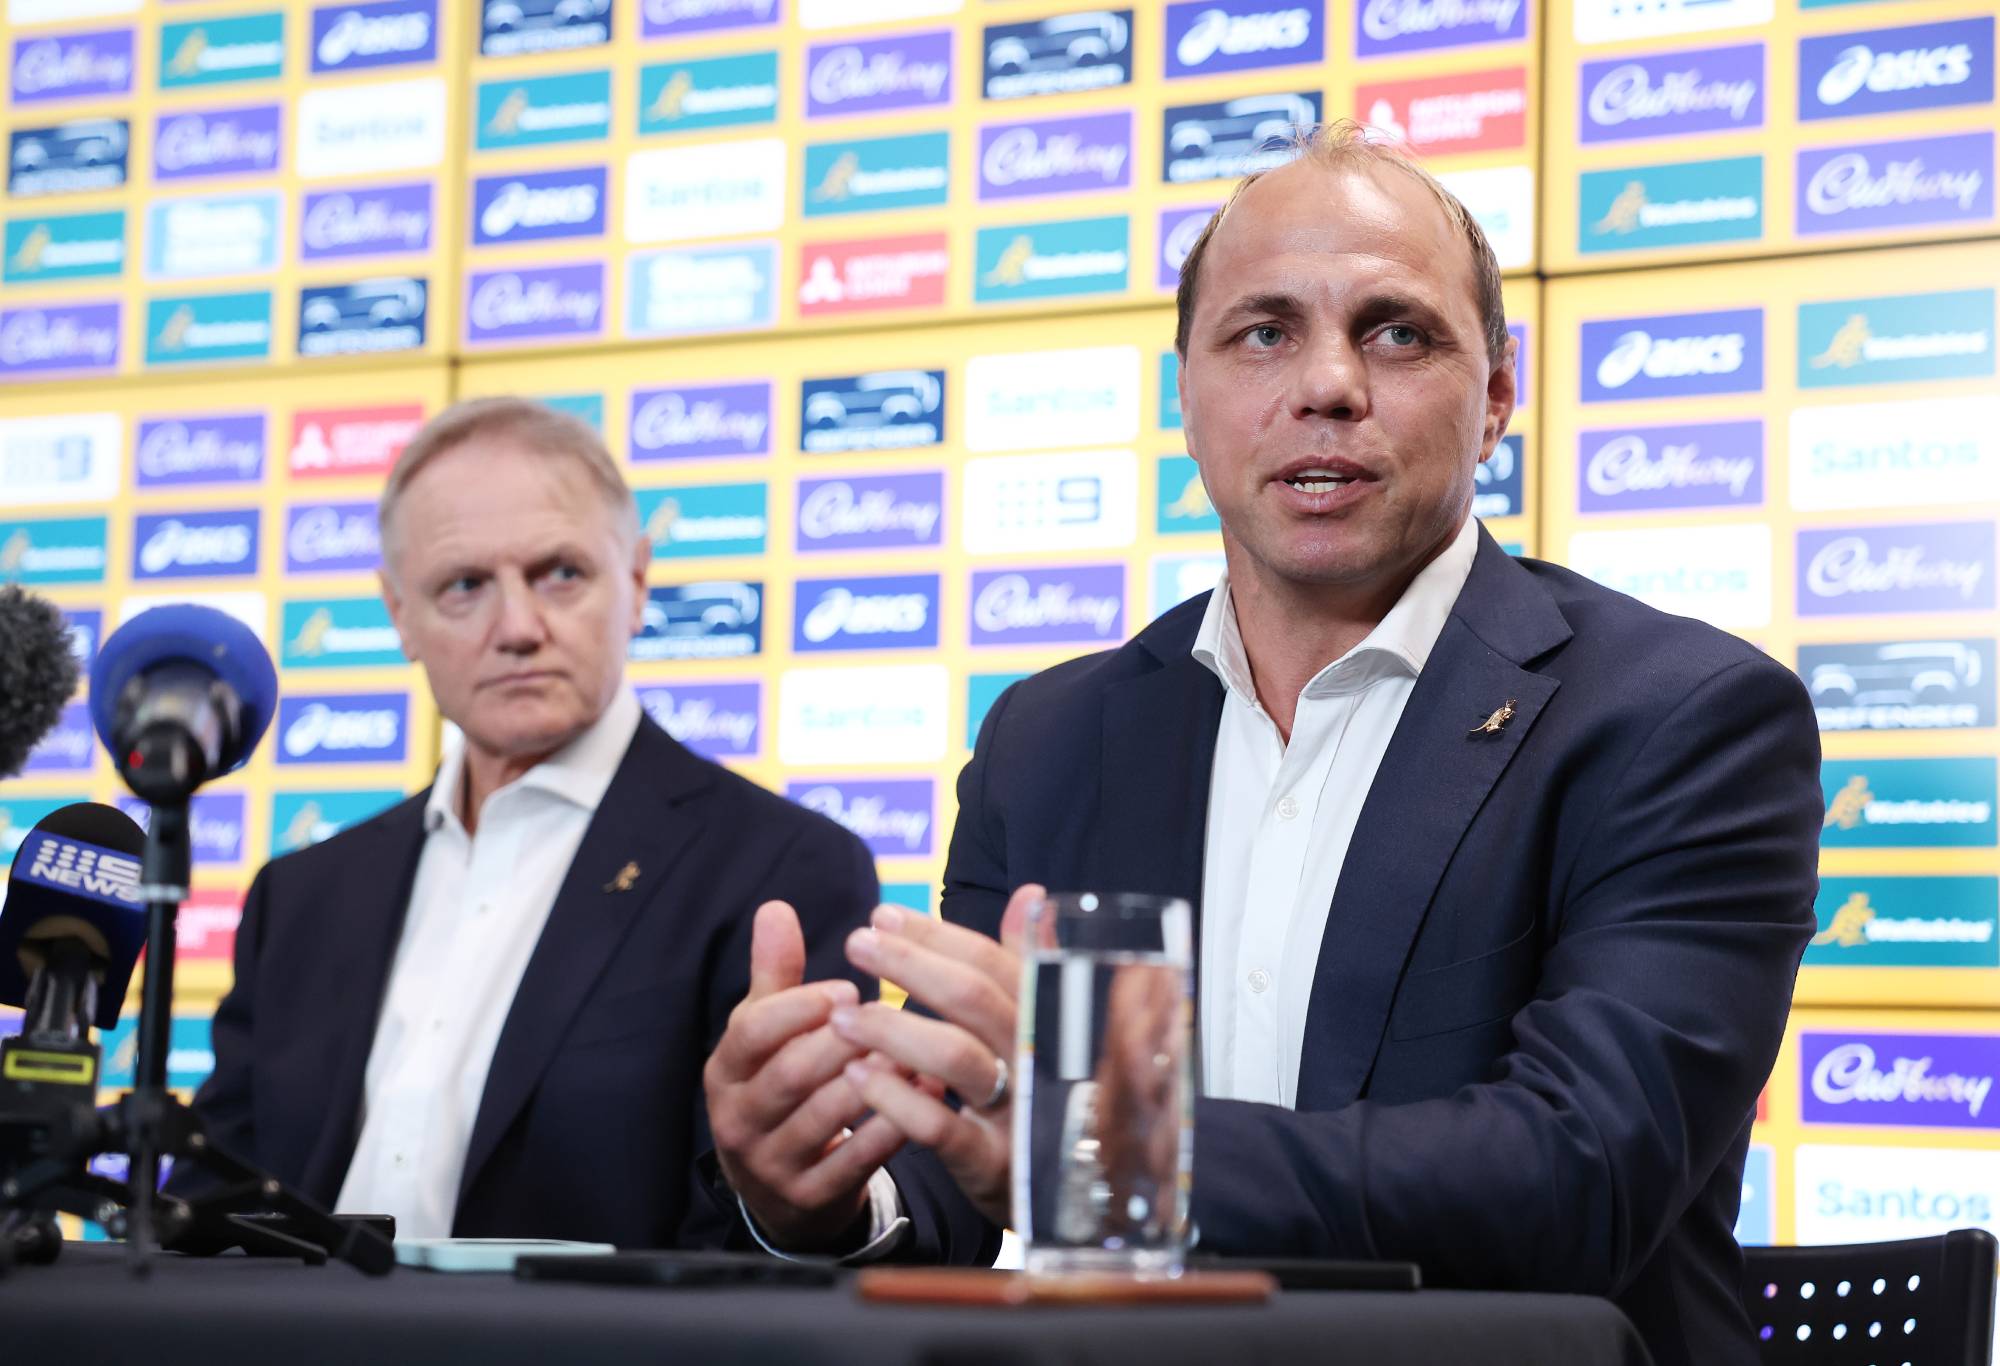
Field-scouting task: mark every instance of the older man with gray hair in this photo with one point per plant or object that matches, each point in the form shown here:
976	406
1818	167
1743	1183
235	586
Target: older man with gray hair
485	1010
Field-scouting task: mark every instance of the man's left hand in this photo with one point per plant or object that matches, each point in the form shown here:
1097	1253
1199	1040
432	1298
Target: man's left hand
973	985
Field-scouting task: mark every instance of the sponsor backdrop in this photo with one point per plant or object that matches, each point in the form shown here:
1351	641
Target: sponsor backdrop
872	298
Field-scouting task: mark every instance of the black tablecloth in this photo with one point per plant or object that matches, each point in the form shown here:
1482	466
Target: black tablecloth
88	1308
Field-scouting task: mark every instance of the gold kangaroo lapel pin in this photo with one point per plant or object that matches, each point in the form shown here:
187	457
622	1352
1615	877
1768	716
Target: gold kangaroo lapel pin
627	875
1494	723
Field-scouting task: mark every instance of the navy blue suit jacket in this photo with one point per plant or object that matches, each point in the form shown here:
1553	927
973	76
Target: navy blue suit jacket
1557	965
592	1117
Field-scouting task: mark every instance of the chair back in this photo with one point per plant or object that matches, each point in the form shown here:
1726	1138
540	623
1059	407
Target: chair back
1919	1302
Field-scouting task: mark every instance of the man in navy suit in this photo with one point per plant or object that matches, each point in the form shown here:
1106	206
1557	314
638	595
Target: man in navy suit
485	1011
1503	878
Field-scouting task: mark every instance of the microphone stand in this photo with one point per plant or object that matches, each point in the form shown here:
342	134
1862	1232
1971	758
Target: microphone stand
249	1208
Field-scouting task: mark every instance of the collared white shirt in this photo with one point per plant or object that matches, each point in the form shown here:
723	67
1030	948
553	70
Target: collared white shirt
1280	817
476	913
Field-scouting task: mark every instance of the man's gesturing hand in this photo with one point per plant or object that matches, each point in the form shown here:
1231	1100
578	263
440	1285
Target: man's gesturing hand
973	985
779	1102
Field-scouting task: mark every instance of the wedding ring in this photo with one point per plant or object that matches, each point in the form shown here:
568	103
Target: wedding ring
1000	1082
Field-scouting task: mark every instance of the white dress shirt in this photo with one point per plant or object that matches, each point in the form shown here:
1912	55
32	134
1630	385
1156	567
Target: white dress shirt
476	913
1280	817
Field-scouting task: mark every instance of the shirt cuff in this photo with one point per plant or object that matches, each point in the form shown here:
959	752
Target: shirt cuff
888	1225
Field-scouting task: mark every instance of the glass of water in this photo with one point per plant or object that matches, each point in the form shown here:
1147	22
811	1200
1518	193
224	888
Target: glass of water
1103	1117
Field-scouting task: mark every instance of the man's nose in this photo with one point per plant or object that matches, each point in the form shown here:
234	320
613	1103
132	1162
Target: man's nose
521	627
1331	379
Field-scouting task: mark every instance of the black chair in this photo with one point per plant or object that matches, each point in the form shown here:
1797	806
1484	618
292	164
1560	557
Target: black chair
1921	1302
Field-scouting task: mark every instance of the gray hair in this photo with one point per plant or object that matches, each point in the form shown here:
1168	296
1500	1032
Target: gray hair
523	423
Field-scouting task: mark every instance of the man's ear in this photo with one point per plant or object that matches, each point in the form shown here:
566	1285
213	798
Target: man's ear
393	600
1501	397
642	559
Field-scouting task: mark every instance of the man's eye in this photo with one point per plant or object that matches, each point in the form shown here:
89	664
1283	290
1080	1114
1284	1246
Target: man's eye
464	583
1266	334
565	573
1402	334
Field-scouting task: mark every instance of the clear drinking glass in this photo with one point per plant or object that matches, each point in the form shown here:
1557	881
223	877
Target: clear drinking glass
1103	1114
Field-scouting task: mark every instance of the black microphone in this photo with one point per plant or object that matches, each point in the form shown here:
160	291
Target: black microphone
37	674
73	923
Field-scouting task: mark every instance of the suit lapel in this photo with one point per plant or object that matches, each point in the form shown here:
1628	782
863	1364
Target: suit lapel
370	925
645	821
1432	781
1158	755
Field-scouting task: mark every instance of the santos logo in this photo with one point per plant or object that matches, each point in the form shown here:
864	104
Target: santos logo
894	714
1919	451
100	873
1719	574
357	729
867	614
676	193
390	126
1047	398
1674	356
1861	1195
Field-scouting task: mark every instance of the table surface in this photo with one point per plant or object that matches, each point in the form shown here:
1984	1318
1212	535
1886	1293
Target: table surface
200	1311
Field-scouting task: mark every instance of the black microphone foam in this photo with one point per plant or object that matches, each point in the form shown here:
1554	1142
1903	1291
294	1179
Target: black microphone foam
37	674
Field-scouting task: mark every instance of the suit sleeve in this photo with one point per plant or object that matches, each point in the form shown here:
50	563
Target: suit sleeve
226	1101
828	877
947	1228
1658	1012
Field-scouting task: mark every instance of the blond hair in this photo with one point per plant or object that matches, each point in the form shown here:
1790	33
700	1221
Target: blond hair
523	424
1345	146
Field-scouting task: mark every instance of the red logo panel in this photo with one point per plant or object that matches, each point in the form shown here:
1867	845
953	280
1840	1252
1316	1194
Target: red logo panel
876	273
343	442
1479	111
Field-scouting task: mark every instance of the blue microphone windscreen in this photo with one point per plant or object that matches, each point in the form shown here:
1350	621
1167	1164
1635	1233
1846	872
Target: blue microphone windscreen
202	636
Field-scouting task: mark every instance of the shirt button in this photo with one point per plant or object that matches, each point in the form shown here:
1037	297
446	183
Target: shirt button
401	1161
437	1026
1288	807
1260	980
483	907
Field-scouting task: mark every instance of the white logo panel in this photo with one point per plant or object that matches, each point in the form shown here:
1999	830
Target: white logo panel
1036	399
1718	574
1902	454
894	714
1082	500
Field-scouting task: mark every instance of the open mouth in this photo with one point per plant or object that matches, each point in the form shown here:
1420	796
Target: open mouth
1319	481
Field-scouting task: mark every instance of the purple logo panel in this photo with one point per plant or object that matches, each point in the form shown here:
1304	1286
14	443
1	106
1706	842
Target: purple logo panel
217	142
1207	36
1079	604
62	337
1648	469
1933	1081
1386	27
692	422
1921	567
326	538
1876	185
895	817
382	220
715	720
683	18
531	302
225	448
72	66
871	512
868	76
1672	94
1055	156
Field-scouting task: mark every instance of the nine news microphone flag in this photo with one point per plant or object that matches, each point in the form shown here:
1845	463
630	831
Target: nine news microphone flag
75	876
